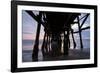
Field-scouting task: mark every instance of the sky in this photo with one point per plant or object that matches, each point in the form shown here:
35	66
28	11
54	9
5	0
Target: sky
29	27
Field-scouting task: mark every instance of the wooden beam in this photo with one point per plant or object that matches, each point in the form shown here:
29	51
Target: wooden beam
36	18
82	17
82	29
43	45
84	20
80	35
36	46
66	42
32	15
73	39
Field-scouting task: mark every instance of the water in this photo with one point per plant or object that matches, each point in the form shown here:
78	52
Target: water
28	46
86	44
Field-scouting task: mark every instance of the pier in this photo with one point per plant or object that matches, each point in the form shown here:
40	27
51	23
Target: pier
56	41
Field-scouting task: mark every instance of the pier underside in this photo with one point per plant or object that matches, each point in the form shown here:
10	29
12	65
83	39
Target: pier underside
56	41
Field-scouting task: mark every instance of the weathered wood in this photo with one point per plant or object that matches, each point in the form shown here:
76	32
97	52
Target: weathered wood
73	38
32	15
46	45
43	45
84	20
36	45
82	29
35	17
80	35
83	17
66	42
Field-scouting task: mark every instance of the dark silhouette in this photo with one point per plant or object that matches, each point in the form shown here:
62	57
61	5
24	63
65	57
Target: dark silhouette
55	24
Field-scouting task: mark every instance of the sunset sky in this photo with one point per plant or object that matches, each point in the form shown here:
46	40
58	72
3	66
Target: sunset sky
29	27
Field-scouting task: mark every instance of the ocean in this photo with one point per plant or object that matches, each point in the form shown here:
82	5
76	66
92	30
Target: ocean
27	46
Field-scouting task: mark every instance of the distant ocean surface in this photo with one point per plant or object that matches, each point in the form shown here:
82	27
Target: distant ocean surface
28	46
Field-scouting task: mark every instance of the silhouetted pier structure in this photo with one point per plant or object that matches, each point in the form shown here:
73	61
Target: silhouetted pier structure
57	25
